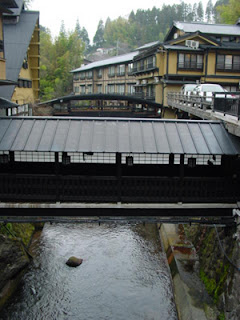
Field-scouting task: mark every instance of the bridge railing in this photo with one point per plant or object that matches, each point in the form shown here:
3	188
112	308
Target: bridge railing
74	188
227	103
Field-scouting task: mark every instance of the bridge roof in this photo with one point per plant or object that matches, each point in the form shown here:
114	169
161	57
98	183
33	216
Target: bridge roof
72	134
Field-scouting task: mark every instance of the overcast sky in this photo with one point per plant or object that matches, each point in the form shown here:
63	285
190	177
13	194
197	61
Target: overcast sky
89	12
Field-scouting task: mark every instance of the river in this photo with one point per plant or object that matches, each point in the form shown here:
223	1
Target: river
124	275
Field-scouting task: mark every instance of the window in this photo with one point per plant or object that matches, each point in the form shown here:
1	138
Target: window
190	61
121	70
110	88
120	88
227	62
20	83
135	68
151	62
130	68
99	73
99	88
111	71
130	89
89	88
1	46
89	74
83	90
76	89
76	76
82	75
141	65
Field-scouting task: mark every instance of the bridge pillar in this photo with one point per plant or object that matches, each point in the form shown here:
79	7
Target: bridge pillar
119	174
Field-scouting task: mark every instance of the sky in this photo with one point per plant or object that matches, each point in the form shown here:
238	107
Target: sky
89	12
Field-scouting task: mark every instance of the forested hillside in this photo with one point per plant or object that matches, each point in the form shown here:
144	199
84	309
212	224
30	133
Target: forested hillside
66	52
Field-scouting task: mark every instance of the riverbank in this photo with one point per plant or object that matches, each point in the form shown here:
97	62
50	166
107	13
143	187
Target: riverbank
205	284
14	256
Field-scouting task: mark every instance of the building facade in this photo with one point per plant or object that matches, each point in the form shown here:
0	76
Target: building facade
112	75
191	53
22	56
6	7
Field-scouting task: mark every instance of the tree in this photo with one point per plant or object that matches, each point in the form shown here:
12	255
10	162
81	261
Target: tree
200	11
209	13
58	58
85	38
98	39
229	13
216	15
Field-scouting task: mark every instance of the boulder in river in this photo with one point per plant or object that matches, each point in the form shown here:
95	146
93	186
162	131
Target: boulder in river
74	262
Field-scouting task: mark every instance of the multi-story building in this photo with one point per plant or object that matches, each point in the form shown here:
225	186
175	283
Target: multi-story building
191	53
21	43
113	75
5	7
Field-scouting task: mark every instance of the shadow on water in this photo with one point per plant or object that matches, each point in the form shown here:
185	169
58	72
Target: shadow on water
123	275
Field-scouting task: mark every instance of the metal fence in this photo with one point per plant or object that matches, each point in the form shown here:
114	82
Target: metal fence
52	188
226	103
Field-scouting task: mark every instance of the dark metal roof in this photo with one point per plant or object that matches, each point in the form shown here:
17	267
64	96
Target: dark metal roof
4	103
17	8
50	134
6	4
208	28
124	58
17	38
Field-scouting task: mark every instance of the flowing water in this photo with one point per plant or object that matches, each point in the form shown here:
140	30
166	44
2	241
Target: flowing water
123	276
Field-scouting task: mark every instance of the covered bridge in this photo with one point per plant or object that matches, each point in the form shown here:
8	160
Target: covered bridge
111	160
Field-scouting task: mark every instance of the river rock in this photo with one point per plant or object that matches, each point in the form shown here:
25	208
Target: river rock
74	262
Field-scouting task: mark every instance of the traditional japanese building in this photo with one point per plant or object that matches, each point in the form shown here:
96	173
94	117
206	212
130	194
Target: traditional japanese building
113	75
191	53
6	6
22	54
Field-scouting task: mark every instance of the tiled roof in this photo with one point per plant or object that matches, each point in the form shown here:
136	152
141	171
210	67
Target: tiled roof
114	60
221	29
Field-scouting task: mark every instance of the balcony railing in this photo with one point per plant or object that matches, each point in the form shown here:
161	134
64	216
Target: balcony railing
111	75
190	65
121	74
228	67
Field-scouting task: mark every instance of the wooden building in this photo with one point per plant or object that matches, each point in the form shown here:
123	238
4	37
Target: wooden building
190	53
6	6
22	54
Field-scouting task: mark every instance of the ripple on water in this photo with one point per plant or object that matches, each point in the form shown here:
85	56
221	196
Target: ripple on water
123	276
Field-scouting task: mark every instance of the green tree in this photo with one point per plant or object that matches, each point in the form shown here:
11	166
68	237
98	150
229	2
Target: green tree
200	11
58	58
216	15
98	39
209	13
229	13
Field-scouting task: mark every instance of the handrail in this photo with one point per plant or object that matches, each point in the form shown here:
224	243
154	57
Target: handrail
224	102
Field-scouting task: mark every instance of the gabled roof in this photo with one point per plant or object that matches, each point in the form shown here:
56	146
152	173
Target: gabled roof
187	36
6	5
16	11
98	135
148	45
17	38
114	60
206	28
